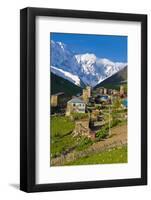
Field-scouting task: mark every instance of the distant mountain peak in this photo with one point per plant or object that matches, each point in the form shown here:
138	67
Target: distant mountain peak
118	78
86	68
86	57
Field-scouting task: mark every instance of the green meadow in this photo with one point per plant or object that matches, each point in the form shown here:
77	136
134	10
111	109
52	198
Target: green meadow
63	142
115	155
62	139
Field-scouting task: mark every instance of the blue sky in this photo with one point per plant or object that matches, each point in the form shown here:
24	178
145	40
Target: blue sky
104	46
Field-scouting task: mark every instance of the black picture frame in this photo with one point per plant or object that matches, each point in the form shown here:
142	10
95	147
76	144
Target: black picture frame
28	99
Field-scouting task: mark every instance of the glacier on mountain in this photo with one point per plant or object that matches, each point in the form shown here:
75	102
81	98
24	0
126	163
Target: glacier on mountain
77	68
66	75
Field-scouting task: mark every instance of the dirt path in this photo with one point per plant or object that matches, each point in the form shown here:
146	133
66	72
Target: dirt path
118	135
118	138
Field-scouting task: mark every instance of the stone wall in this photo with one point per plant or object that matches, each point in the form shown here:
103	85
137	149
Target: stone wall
82	128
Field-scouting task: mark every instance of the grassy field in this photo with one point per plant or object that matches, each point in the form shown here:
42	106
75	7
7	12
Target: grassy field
115	155
61	126
62	140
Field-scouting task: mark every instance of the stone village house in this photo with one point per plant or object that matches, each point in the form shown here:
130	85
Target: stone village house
75	105
57	99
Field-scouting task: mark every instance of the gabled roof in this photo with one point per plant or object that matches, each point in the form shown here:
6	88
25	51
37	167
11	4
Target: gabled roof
76	100
58	94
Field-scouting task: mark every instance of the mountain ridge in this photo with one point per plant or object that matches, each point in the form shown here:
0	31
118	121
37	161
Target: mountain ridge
59	84
81	68
115	79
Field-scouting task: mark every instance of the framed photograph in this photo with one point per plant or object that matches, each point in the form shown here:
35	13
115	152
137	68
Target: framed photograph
83	99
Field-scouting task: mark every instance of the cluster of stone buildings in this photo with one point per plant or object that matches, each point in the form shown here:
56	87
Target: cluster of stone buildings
78	104
105	91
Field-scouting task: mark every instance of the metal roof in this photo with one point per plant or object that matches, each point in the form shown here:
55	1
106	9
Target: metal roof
58	94
76	100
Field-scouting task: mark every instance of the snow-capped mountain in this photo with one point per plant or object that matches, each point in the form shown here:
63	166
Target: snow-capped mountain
86	68
67	75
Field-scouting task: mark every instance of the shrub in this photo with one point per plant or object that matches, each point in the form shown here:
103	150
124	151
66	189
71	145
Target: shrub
78	116
84	142
115	122
117	103
98	107
102	133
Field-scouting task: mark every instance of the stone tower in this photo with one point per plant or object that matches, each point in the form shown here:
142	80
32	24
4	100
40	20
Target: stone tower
86	94
88	88
105	91
121	90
